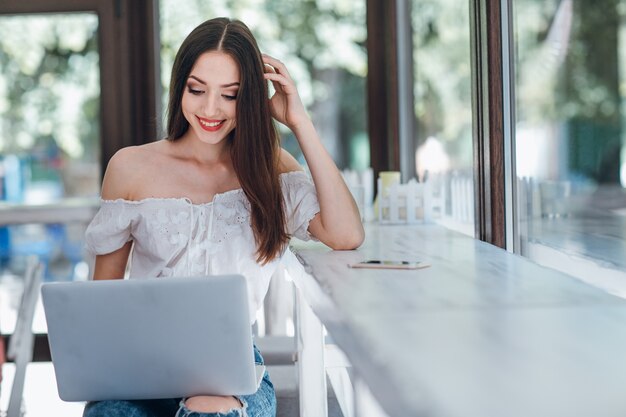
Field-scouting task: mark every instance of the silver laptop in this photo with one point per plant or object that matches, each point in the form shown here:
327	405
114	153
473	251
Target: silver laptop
151	338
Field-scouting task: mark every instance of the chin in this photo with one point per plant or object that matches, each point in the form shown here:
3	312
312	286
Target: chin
213	138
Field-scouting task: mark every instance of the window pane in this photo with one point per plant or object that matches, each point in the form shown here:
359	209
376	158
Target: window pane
322	44
49	136
570	153
443	107
49	107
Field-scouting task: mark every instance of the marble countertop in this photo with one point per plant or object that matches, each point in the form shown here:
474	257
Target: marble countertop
481	332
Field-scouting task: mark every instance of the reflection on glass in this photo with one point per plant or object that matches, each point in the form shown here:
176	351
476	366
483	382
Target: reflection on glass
443	107
49	134
322	44
570	152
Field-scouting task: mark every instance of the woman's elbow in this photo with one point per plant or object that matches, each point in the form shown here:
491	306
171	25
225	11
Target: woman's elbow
348	241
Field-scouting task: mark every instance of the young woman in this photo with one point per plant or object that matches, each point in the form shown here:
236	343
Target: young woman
219	195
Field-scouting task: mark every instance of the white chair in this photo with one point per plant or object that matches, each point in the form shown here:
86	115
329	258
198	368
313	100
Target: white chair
281	354
319	383
320	361
20	349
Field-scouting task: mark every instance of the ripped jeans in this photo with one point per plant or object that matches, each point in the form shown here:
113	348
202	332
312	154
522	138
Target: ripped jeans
260	404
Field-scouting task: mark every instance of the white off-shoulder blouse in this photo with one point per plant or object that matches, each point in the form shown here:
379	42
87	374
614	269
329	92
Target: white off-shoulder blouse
173	237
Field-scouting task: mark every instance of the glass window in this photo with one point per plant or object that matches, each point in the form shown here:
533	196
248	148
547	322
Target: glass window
322	44
570	149
443	108
49	107
49	139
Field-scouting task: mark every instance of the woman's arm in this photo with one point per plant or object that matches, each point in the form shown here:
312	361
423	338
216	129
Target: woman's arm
112	265
115	184
338	224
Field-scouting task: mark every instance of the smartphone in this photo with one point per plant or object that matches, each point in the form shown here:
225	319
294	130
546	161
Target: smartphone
381	264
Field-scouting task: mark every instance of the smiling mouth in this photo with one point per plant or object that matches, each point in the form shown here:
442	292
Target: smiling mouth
210	125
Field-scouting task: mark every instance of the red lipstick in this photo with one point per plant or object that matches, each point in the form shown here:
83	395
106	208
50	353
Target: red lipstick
210	125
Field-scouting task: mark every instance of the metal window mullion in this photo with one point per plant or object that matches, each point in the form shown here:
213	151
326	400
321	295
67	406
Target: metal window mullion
508	109
480	117
404	58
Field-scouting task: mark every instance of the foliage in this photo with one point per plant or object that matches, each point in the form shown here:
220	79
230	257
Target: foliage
442	75
49	84
568	84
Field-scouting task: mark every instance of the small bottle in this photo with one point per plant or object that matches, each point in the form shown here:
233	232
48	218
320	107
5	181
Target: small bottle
386	180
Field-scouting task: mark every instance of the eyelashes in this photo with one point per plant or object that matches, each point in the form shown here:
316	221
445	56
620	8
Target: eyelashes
195	92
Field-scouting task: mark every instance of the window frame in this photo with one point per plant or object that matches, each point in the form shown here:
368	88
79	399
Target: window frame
489	119
492	98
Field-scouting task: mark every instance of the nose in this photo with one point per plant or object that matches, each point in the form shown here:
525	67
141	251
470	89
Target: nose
211	105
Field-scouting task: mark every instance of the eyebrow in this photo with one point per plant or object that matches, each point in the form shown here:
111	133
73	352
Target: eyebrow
236	83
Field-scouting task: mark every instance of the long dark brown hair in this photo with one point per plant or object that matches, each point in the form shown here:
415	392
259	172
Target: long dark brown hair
254	143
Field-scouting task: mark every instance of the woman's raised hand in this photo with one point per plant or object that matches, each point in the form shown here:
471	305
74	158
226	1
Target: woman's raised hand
338	224
285	104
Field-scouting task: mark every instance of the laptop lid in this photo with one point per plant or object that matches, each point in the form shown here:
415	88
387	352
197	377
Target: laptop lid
150	338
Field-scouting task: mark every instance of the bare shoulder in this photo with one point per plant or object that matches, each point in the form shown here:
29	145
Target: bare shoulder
125	168
287	162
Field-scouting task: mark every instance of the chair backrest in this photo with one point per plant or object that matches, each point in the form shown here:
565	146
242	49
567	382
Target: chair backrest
26	310
20	348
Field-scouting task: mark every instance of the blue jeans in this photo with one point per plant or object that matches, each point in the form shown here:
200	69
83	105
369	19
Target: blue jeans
260	404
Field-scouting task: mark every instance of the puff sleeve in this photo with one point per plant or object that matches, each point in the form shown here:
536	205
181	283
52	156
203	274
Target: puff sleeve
301	203
110	228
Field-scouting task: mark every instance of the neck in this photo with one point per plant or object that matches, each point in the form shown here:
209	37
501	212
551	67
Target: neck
202	153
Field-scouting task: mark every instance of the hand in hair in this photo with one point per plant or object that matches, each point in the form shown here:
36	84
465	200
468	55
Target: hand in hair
285	104
338	224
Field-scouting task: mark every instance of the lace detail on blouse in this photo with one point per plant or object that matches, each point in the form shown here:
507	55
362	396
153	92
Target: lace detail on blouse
175	237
